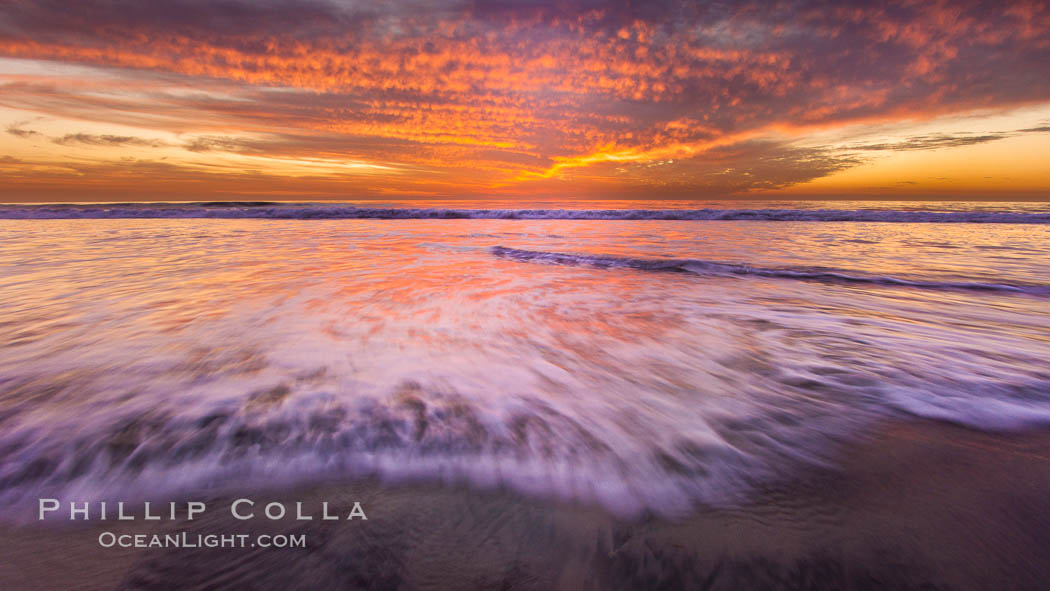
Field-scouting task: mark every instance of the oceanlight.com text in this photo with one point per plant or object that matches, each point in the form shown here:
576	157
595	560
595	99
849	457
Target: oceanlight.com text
187	540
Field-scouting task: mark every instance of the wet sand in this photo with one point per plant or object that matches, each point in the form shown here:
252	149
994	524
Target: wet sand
915	505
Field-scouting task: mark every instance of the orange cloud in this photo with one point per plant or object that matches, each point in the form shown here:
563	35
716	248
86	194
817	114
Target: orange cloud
487	96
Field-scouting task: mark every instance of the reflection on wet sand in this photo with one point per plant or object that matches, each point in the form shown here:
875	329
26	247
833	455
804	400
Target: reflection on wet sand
918	505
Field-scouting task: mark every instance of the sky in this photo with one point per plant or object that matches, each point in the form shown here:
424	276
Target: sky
124	100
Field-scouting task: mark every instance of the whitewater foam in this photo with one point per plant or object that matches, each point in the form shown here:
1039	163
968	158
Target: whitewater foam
156	358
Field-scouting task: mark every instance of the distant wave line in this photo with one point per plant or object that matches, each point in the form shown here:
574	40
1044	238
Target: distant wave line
268	210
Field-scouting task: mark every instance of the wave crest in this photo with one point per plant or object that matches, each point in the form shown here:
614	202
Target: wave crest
702	267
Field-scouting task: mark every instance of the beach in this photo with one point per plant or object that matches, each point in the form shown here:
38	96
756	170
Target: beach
916	505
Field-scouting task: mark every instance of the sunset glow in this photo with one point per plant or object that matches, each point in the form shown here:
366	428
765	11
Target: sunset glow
291	99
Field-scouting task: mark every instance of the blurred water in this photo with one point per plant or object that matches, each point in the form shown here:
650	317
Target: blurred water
160	356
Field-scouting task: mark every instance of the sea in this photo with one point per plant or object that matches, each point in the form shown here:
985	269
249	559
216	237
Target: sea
637	356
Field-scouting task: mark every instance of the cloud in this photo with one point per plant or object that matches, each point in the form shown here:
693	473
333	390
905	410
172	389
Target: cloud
942	140
7	159
105	140
488	93
932	142
17	131
224	144
740	167
154	179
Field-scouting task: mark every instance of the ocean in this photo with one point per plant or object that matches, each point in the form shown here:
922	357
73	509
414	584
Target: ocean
639	357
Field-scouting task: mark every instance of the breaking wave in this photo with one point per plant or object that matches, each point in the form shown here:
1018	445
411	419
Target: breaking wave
702	267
